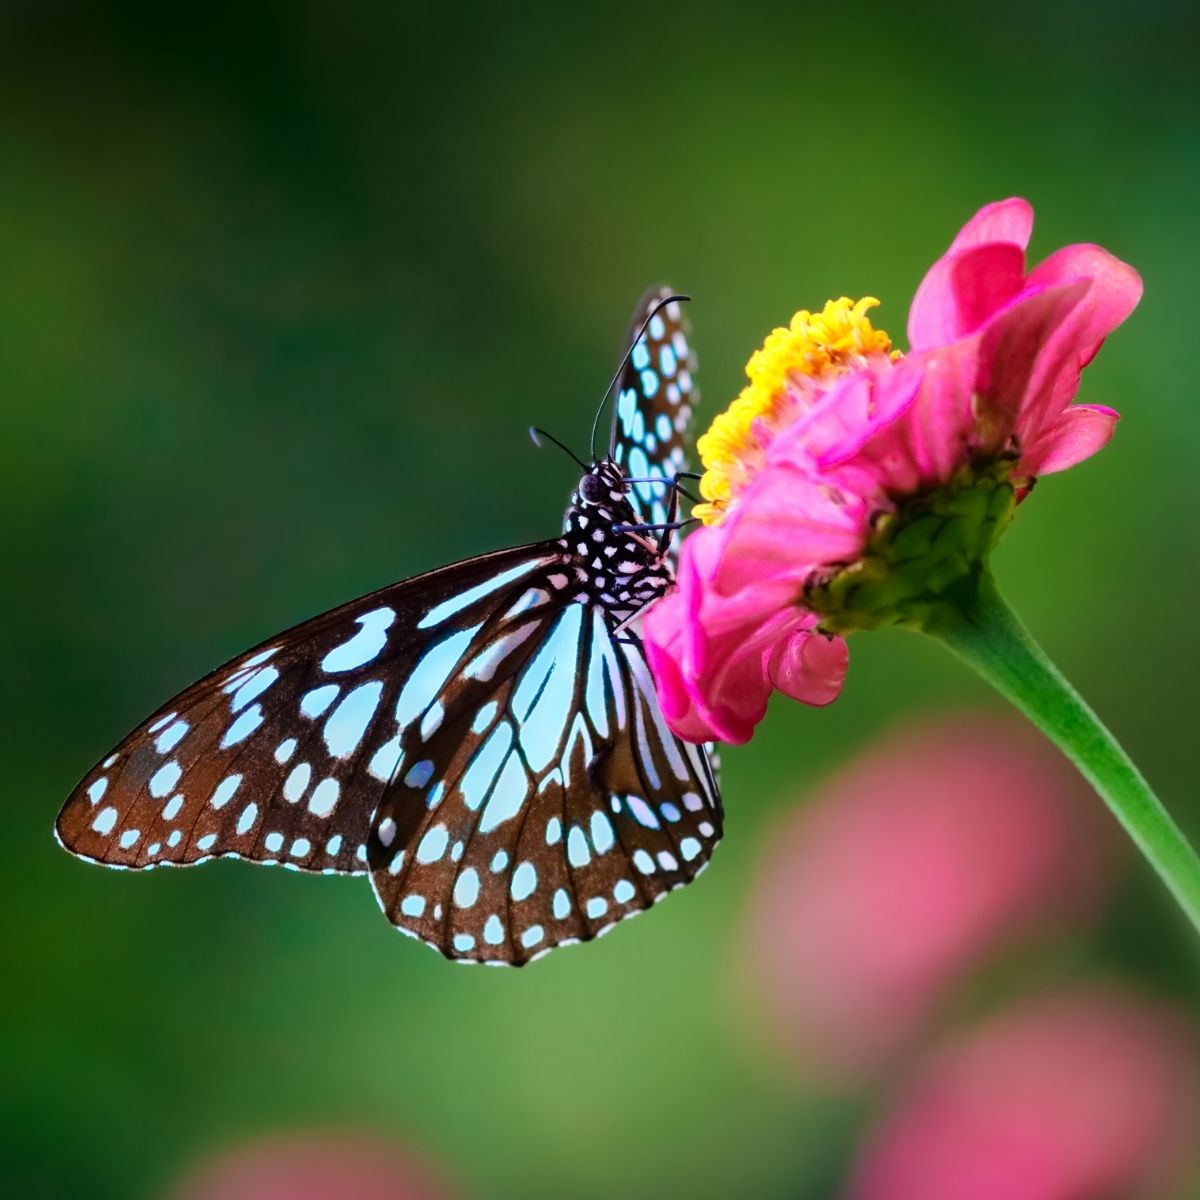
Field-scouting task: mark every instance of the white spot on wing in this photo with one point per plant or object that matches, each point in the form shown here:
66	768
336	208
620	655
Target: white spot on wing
296	784
466	888
243	727
386	760
164	779
171	736
324	797
349	721
225	790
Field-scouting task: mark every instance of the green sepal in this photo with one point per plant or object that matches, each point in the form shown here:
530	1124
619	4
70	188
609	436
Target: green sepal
925	548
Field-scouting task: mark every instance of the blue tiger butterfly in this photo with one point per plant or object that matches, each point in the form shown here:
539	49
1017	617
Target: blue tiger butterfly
483	740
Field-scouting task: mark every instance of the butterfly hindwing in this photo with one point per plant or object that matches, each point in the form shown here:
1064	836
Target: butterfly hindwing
656	393
559	805
282	754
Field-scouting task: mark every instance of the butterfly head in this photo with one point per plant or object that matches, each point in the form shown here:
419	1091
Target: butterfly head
604	487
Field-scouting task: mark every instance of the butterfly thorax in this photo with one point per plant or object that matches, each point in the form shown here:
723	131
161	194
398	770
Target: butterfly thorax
618	568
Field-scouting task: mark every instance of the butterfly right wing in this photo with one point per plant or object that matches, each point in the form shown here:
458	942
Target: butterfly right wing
656	393
282	754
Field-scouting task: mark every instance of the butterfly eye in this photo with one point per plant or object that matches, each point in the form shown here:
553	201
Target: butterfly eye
591	489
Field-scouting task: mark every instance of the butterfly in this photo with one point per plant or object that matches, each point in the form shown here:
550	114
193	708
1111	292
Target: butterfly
484	740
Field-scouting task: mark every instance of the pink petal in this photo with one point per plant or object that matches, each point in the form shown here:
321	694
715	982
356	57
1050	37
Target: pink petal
1079	432
809	667
787	523
919	427
1114	294
928	437
1008	220
738	700
732	697
962	291
935	310
662	634
1020	359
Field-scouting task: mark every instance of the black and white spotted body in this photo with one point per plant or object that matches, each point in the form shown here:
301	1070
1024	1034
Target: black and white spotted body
612	563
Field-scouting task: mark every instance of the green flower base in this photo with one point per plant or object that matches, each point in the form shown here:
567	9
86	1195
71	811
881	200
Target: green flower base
917	555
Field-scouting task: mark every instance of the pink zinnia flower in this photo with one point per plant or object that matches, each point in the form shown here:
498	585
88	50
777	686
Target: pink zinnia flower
850	486
945	841
1080	1095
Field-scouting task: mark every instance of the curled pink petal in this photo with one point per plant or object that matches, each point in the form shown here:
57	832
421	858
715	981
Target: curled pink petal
663	631
1077	434
809	667
1114	294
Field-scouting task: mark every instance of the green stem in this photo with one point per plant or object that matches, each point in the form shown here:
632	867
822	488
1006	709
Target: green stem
982	630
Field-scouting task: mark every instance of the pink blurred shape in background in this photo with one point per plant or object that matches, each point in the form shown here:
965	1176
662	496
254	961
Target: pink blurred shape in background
945	839
1074	1097
314	1166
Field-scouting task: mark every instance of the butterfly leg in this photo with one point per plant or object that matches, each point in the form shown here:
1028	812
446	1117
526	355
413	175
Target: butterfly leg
673	508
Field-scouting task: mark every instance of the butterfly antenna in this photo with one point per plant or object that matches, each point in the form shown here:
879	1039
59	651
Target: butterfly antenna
608	391
536	435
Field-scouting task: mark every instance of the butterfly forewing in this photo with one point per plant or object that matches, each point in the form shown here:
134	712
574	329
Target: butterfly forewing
655	397
555	807
282	754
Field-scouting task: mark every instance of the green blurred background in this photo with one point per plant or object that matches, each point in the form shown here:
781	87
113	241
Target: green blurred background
281	287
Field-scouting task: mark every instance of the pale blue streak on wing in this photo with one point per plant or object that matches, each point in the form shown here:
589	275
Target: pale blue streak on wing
508	796
429	676
640	671
481	773
544	724
594	697
254	686
440	612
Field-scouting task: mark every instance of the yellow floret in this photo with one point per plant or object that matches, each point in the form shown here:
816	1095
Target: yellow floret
812	350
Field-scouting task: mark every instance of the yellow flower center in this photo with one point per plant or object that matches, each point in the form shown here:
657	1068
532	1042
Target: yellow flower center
787	376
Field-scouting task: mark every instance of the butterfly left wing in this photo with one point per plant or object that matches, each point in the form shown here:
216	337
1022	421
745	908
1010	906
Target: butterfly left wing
281	755
549	810
656	393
